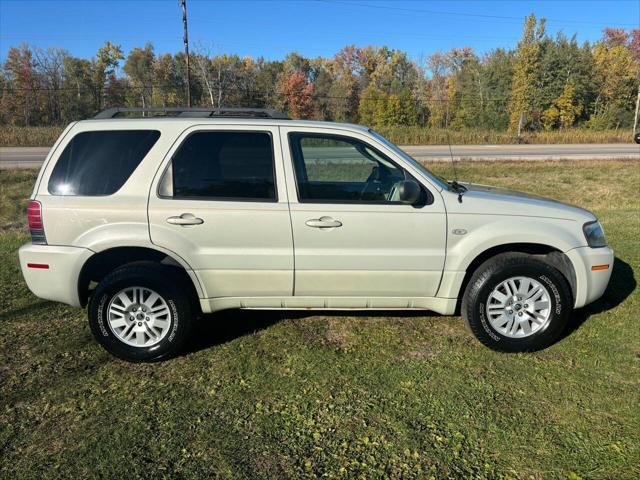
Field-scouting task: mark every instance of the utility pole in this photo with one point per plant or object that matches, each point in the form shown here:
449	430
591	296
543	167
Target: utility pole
635	117
186	50
520	122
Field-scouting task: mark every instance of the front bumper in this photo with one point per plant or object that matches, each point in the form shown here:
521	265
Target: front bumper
590	284
52	272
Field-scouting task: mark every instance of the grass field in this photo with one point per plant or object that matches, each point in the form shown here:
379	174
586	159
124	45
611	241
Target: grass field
282	395
11	136
441	136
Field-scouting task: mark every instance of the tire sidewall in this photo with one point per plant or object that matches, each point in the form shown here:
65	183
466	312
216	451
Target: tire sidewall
98	316
559	295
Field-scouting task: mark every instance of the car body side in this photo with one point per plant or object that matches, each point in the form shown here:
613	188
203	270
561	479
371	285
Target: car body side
473	226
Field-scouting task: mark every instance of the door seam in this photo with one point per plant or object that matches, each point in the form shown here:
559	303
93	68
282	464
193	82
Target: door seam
286	189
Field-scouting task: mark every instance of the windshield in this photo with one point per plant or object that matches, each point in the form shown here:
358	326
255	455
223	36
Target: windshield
437	179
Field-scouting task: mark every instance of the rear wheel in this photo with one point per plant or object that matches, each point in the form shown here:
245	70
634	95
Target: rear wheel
138	314
516	302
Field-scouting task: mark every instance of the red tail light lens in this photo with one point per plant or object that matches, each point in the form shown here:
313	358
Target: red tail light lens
36	226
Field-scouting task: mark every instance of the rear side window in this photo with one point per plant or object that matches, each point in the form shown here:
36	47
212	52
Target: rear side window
223	165
100	162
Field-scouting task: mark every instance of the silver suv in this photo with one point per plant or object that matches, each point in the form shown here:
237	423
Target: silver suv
151	221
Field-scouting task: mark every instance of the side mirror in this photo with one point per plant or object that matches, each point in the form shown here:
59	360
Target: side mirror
409	192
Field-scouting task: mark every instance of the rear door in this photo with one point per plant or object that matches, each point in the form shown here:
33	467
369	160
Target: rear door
221	205
352	237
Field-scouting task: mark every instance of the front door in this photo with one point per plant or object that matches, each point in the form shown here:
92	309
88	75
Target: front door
221	205
352	236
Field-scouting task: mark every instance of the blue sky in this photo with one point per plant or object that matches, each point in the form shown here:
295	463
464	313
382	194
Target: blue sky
312	28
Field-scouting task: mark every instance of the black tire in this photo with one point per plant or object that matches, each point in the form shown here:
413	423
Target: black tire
162	280
500	268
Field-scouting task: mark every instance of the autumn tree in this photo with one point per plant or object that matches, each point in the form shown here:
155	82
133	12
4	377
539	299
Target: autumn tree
440	67
372	107
615	76
348	74
552	82
298	94
564	110
20	99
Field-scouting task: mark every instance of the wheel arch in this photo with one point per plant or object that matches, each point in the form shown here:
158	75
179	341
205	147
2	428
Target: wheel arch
101	263
547	253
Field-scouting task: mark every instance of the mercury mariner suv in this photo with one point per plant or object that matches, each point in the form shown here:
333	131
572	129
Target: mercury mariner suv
151	221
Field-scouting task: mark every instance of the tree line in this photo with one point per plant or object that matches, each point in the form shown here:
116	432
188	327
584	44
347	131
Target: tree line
544	83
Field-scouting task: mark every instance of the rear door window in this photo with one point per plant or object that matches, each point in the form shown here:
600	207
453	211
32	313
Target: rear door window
100	162
229	165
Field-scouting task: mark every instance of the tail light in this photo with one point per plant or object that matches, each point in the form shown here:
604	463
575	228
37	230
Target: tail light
36	226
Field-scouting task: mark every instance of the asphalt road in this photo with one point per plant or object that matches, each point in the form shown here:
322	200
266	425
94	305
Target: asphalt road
526	152
32	157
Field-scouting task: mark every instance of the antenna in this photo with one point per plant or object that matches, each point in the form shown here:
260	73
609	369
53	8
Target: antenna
459	188
453	163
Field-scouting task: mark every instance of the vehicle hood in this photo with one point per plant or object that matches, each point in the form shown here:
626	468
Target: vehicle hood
485	199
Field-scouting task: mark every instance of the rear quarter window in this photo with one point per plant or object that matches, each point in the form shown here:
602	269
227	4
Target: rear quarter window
100	162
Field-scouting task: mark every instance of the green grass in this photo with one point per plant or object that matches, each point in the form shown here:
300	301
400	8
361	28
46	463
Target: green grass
11	136
283	395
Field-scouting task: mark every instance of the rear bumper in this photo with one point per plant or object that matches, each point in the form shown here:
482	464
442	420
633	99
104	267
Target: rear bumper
590	284
51	272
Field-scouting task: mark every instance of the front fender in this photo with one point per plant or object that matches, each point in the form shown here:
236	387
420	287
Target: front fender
475	234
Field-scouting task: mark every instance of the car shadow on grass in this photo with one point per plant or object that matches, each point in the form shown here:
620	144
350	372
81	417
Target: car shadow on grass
222	327
35	308
218	328
621	285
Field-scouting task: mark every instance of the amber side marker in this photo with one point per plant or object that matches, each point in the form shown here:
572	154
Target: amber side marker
37	265
600	267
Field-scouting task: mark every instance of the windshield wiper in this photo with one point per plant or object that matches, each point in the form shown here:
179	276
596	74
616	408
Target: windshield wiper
458	188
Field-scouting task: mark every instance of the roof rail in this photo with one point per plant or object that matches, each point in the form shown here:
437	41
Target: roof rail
197	112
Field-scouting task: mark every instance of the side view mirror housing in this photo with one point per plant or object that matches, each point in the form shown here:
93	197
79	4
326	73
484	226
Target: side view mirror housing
409	192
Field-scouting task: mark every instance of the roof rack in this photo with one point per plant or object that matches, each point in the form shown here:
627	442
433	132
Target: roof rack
197	112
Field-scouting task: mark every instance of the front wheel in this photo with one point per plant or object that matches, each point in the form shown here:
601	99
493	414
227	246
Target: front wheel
516	302
138	314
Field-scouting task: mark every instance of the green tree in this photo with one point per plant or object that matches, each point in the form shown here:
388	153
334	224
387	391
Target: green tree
393	72
525	89
79	101
103	71
139	66
563	61
170	89
496	76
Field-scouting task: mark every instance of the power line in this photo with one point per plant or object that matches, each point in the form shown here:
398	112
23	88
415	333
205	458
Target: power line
466	14
229	89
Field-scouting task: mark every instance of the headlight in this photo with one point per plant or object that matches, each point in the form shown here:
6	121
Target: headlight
594	234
